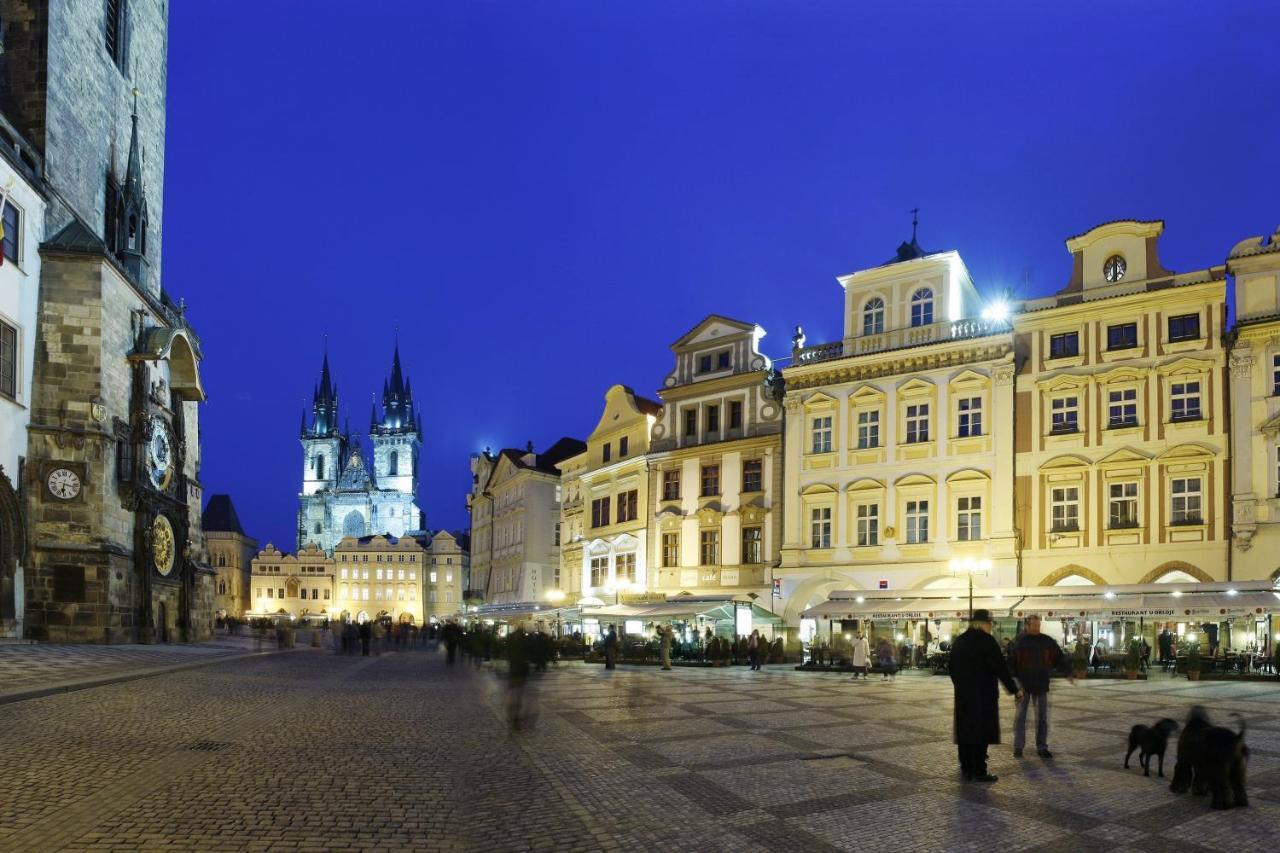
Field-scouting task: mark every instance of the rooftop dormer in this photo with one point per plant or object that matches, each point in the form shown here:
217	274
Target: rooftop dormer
1115	257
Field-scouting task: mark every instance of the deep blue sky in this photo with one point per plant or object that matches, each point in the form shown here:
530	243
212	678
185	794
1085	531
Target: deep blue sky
545	195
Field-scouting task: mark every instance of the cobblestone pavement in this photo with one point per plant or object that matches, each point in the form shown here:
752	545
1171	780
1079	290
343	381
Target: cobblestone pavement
312	751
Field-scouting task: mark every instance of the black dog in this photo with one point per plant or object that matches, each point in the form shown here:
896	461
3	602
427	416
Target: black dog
1149	741
1190	745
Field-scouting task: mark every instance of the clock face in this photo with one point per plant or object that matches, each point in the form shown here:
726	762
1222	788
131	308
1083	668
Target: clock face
160	454
1114	268
63	483
162	544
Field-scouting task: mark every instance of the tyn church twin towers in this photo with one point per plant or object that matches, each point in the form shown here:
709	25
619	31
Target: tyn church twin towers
340	497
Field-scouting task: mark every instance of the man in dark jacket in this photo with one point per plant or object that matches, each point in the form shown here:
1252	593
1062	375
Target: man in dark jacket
976	665
1035	657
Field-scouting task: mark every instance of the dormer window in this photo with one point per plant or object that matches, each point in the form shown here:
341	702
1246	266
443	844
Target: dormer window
722	360
922	307
873	316
713	361
704	364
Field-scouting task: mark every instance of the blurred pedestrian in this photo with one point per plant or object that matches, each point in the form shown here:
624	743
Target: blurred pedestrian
610	647
1035	656
977	665
664	646
861	657
887	660
366	634
753	649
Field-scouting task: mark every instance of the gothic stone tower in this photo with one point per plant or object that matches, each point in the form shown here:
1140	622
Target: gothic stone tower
323	452
112	472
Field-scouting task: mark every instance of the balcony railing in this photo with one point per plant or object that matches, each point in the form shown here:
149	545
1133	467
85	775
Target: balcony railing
911	336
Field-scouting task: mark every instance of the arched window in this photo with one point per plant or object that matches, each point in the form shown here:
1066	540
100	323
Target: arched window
873	316
319	466
222	559
353	525
922	307
222	587
393	463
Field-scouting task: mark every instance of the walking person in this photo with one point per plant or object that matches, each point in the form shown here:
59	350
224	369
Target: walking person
610	647
886	659
976	666
753	649
1035	656
366	632
664	646
861	657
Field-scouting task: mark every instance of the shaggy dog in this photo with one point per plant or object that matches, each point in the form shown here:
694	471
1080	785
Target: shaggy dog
1149	741
1211	759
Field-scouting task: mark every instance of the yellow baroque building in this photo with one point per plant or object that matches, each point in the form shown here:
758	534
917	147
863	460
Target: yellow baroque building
1120	424
298	585
379	576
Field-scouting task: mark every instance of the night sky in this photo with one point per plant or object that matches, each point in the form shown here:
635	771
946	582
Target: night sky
543	196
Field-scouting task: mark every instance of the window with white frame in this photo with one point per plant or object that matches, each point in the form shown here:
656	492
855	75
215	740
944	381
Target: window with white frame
709	542
599	571
1064	508
873	316
8	360
969	519
1122	408
917	423
670	550
820	432
868	429
1066	414
1185	503
625	568
922	307
1184	401
1122	505
970	416
917	521
820	526
868	516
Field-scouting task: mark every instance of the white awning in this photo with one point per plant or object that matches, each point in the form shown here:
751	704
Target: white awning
889	609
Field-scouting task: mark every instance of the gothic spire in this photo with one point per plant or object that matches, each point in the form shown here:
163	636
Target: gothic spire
131	210
397	403
324	404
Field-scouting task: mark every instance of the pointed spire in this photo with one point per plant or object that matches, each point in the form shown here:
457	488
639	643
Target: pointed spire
373	416
131	210
324	403
302	430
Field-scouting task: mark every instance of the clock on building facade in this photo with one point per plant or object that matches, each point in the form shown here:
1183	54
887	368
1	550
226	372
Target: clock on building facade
1114	268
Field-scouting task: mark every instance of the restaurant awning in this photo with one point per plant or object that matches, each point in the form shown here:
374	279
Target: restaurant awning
1151	605
882	609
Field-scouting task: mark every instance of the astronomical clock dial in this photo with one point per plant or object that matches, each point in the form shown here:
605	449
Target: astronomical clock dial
1114	268
160	454
162	545
63	483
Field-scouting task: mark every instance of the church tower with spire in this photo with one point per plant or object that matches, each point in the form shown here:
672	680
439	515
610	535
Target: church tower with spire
322	445
396	434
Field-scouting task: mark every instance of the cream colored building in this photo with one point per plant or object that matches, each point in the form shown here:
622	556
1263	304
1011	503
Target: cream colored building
517	511
1121	422
447	571
1255	410
899	449
566	584
379	576
300	585
616	507
715	466
231	553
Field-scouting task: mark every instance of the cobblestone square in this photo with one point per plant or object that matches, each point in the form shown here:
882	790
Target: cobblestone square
306	750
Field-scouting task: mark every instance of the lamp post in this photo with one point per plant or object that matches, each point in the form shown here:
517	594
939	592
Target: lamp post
969	567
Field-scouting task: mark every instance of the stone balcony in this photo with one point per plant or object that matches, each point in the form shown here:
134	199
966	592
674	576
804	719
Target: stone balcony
904	338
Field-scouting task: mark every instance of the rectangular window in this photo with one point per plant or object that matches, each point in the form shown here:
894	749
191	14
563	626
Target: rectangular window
1122	408
607	452
1065	345
917	423
713	419
116	32
433	576
722	360
670	550
281	591
704	364
326	595
11	233
735	415
1184	401
690	422
710	480
1186	500
820	526
970	422
271	592
1275	376
1064	507
1123	505
868	430
8	360
625	568
752	475
868	525
969	519
599	571
710	547
671	485
917	521
1066	414
752	545
1184	327
821	434
378	574
556	542
628	506
600	512
1122	336
622	447
343	574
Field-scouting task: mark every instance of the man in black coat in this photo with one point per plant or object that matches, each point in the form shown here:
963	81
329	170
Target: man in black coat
977	663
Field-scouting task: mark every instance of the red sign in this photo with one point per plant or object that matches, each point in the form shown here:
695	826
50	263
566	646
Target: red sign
884	584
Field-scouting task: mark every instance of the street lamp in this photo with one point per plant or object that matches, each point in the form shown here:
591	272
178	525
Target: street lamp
969	567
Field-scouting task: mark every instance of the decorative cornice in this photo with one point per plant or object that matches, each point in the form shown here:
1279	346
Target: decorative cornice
886	364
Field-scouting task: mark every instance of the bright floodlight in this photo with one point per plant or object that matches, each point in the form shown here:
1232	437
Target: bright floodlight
997	311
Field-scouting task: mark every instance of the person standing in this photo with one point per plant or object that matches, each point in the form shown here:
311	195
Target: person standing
861	657
976	666
885	659
664	646
753	649
1035	656
610	647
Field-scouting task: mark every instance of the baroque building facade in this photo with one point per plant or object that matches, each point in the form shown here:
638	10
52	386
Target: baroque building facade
298	585
447	575
716	466
379	576
343	495
111	476
231	553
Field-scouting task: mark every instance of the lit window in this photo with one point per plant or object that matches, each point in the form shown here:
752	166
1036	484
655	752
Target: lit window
873	316
969	519
820	527
1122	408
821	434
752	545
432	577
1123	505
917	521
922	307
1186	500
970	422
710	541
671	485
599	571
448	577
670	550
868	430
625	568
1184	400
1066	413
1064	505
917	423
868	525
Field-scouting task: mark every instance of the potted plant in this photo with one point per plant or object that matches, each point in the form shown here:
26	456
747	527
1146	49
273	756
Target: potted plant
1080	658
1193	661
1133	659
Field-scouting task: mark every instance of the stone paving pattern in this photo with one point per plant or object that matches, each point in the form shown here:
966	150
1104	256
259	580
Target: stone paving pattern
312	751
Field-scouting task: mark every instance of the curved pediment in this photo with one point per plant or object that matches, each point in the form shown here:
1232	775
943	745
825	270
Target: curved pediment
1067	460
1190	450
1063	381
818	489
967	474
914	479
864	484
1186	366
1123	373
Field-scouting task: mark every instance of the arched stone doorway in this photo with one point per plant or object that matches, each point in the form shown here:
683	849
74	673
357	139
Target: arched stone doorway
1176	571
